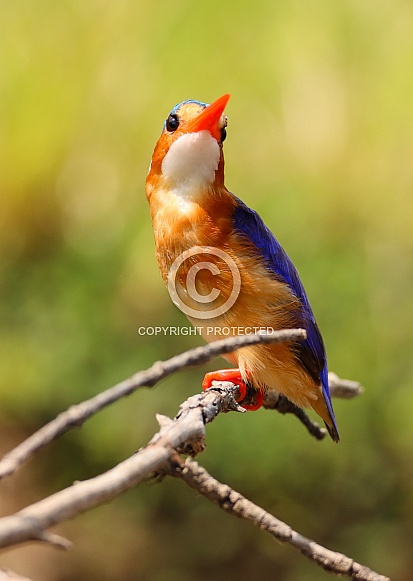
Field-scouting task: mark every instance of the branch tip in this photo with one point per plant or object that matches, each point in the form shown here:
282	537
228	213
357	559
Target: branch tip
163	421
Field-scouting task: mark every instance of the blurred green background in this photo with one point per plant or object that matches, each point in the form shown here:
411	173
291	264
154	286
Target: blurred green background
320	142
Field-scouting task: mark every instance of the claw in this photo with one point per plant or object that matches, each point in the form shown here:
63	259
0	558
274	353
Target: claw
233	375
257	400
254	398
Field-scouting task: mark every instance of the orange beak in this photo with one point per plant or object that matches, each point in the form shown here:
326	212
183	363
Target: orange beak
209	119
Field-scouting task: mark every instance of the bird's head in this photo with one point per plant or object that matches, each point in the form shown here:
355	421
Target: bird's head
188	156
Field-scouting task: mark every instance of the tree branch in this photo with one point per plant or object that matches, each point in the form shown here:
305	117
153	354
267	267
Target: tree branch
234	503
186	434
183	435
76	415
343	388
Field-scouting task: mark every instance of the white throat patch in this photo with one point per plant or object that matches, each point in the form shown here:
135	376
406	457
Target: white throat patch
191	162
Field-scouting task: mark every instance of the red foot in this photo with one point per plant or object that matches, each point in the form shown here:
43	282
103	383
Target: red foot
233	375
254	398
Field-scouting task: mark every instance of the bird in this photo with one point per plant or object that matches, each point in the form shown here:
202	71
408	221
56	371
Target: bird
204	236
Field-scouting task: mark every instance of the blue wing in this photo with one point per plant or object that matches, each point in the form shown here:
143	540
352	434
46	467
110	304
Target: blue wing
311	352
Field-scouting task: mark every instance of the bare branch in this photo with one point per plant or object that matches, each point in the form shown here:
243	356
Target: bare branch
183	435
76	415
186	434
234	503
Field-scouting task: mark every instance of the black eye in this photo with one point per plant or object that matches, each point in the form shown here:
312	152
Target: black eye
172	123
223	134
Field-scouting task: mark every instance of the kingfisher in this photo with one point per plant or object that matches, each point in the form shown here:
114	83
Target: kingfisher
226	270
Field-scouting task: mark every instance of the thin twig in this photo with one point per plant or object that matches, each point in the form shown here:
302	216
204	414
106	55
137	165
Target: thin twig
343	388
76	415
234	503
276	401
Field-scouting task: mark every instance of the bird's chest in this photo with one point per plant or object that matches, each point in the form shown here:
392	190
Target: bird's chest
176	229
182	226
192	254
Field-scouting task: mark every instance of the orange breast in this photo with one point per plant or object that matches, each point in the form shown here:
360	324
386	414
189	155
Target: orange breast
261	301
